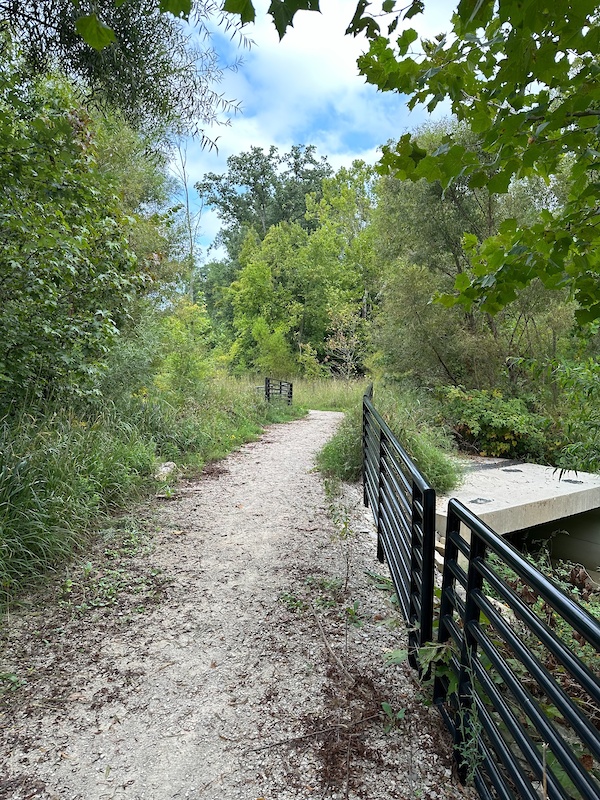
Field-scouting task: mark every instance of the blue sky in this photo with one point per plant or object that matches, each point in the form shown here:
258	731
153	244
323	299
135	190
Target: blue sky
306	90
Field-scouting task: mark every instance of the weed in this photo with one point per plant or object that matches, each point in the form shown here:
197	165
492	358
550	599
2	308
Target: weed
66	588
332	585
470	754
292	603
353	614
167	492
9	681
327	589
395	657
384	584
393	717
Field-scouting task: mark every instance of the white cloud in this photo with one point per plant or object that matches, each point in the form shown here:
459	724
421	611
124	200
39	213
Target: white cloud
307	90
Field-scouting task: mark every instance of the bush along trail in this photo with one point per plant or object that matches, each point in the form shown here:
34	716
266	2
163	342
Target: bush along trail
228	641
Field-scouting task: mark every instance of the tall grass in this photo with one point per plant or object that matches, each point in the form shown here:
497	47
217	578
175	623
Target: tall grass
60	471
57	474
341	457
413	420
329	394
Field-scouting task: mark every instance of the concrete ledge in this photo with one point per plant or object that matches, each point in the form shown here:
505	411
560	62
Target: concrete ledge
509	496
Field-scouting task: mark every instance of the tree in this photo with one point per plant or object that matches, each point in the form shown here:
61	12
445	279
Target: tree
140	60
261	189
185	337
264	299
95	29
313	288
68	274
422	223
524	76
422	236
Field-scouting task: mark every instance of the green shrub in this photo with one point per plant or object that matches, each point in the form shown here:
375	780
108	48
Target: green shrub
579	415
491	425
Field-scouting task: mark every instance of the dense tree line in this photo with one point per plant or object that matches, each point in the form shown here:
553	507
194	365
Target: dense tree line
350	281
359	284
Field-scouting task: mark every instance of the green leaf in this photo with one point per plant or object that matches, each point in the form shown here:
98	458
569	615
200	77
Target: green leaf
179	8
462	282
396	657
416	8
471	10
283	11
500	182
244	8
405	40
95	32
360	23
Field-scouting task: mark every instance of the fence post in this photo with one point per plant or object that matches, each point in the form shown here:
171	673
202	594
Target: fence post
466	731
380	553
446	602
423	562
268	390
369	394
289	396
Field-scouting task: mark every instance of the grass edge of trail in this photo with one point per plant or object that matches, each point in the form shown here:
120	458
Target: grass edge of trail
65	471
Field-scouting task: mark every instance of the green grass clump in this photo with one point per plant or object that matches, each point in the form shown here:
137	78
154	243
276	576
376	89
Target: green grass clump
413	418
341	457
413	422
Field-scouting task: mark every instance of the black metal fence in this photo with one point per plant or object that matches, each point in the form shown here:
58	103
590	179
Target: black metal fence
522	705
517	667
403	505
278	390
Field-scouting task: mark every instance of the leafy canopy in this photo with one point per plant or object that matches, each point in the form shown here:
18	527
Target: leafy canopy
263	188
67	271
131	56
523	75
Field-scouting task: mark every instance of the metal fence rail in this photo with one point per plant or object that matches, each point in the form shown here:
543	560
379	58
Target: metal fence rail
278	390
403	506
517	677
523	707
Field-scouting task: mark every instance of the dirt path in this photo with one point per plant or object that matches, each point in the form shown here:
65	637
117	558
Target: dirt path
234	652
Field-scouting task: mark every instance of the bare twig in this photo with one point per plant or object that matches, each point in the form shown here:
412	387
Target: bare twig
347	792
312	734
336	658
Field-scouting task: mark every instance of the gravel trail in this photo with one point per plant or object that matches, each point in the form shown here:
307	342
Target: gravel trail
235	651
